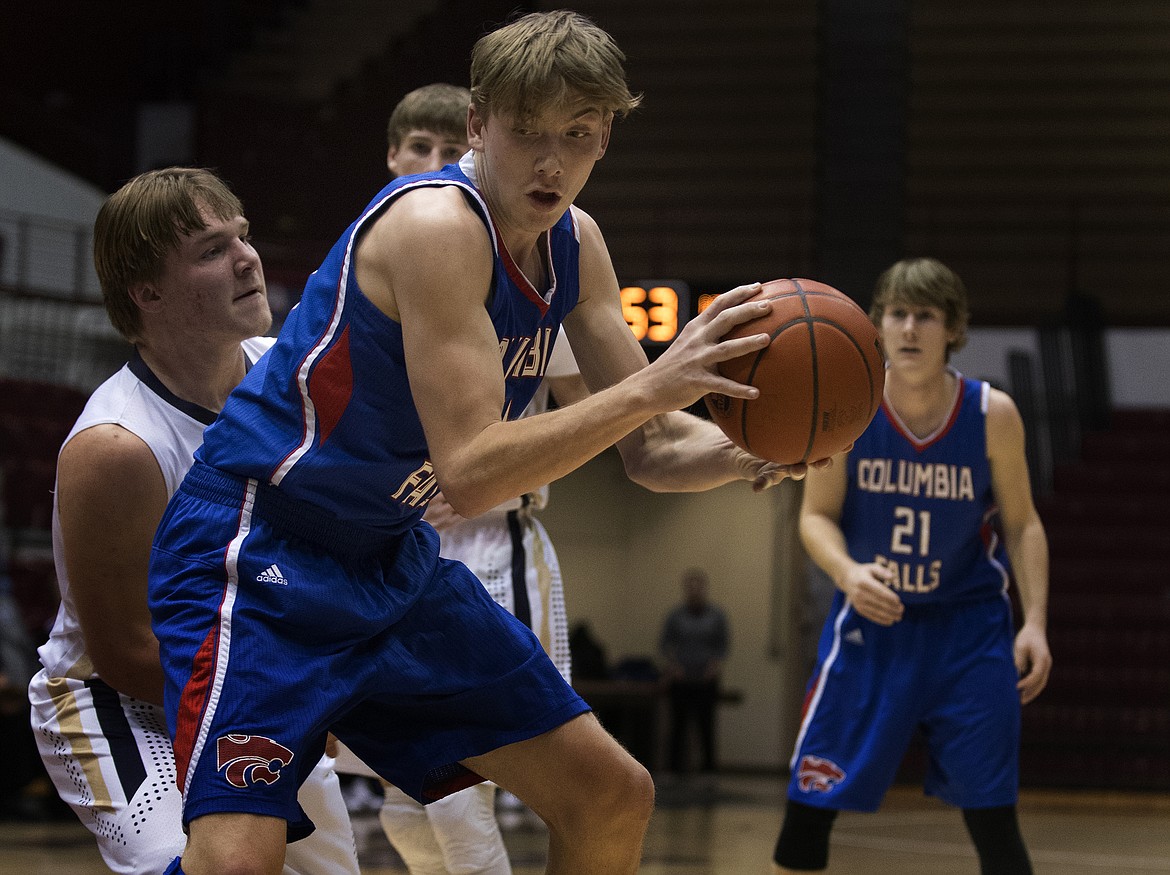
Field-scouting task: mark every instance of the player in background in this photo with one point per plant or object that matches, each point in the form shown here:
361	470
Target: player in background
183	284
920	634
507	547
294	558
427	129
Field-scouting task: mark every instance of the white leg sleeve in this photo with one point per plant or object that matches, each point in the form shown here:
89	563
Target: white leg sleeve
409	831
331	846
466	829
457	835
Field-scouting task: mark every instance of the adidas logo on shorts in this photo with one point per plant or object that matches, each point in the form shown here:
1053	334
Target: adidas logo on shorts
271	574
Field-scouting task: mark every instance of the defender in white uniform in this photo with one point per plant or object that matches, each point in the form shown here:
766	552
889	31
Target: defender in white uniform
107	752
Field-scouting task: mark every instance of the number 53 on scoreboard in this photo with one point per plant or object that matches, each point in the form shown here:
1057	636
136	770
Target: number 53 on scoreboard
656	310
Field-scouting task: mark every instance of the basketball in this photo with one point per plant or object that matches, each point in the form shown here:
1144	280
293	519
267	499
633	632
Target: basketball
820	378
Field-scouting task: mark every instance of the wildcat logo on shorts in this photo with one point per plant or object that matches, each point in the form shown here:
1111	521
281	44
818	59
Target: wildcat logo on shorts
820	775
250	759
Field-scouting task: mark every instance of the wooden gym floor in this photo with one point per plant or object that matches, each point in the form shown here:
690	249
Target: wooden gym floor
727	827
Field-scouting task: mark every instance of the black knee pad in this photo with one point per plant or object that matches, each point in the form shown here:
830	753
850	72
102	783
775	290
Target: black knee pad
996	835
803	844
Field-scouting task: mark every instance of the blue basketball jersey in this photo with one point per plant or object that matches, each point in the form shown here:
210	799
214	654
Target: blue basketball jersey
924	507
328	415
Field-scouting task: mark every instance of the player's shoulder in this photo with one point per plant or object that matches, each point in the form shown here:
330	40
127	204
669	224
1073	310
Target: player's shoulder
430	219
586	226
1000	404
107	455
430	209
594	253
1005	426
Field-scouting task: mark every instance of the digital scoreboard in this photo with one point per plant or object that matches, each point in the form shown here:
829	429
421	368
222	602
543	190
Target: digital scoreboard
656	310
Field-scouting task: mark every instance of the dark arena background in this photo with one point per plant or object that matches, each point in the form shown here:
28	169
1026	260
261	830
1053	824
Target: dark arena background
1025	143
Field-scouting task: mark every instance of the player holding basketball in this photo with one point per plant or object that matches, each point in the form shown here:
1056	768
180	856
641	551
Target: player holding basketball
507	548
294	587
183	284
920	633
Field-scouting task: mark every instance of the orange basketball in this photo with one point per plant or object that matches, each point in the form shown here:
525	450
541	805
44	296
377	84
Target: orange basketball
820	379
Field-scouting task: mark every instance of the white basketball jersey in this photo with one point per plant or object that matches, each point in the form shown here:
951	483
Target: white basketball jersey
136	400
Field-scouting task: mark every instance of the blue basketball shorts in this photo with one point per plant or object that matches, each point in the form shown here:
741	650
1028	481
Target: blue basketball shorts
277	625
947	670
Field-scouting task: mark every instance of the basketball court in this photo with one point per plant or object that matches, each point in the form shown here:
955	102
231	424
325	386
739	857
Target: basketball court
728	826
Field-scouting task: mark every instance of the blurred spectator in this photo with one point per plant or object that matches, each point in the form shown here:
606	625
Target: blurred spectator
694	644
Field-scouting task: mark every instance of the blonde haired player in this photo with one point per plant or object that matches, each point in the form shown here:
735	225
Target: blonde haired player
184	285
507	547
403	371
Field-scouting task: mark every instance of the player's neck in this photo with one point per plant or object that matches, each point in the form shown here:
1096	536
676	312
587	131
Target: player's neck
200	375
922	402
530	257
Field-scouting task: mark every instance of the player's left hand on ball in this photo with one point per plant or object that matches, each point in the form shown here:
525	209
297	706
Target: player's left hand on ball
768	474
771	474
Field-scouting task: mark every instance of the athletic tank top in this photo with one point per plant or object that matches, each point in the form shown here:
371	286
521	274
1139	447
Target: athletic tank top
328	416
135	399
924	507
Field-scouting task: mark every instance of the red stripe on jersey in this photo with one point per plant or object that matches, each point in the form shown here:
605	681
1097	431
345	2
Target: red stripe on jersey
921	444
192	703
808	697
331	385
521	280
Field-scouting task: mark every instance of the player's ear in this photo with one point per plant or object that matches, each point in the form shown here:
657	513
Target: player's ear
392	160
475	123
146	296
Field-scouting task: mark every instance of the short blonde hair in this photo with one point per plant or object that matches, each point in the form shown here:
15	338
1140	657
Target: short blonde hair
541	59
439	107
924	282
141	223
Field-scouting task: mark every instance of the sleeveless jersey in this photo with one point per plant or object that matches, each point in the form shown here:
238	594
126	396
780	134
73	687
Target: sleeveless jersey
108	755
135	399
328	416
925	507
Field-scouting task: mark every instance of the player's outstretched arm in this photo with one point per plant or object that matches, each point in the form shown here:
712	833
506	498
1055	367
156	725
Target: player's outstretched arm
1024	538
452	355
678	452
110	498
